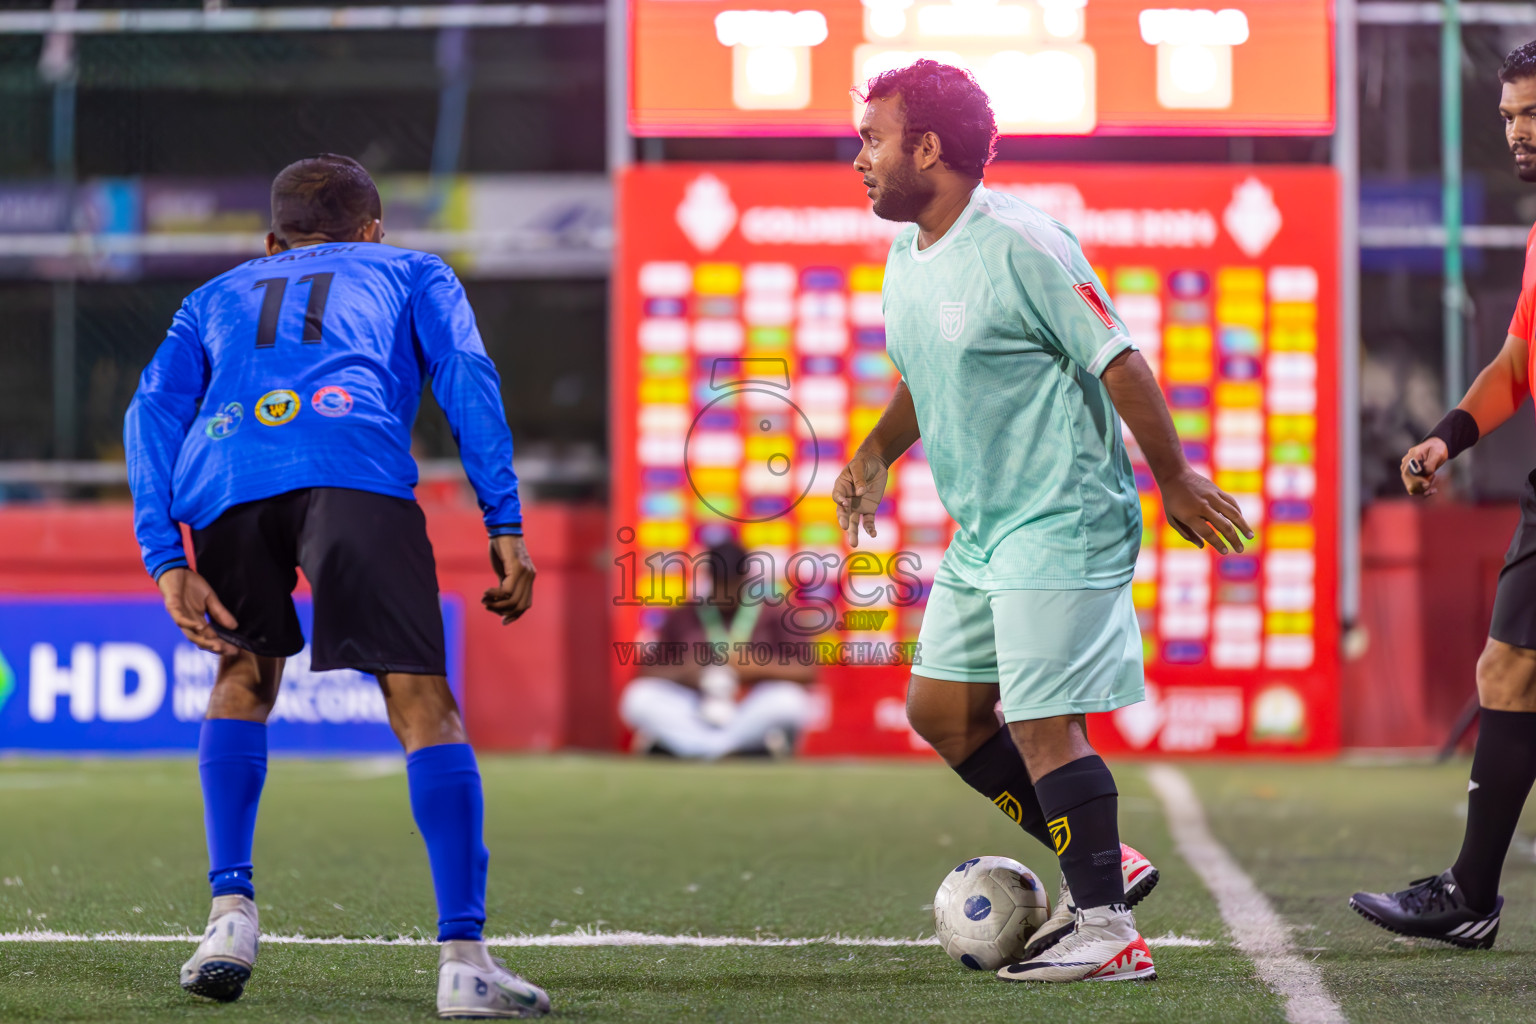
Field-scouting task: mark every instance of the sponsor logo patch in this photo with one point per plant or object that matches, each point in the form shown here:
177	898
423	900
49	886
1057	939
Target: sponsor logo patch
951	319
331	400
1010	806
277	407
1061	833
225	422
1091	296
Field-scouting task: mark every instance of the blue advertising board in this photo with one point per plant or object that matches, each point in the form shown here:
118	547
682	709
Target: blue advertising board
1414	203
114	674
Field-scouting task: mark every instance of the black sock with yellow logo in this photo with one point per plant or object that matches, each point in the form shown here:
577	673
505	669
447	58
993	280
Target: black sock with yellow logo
997	772
1082	806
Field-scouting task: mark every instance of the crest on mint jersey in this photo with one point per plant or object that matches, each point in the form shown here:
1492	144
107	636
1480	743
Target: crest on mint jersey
951	319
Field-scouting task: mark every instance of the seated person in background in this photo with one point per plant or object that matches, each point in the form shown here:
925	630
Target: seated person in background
710	711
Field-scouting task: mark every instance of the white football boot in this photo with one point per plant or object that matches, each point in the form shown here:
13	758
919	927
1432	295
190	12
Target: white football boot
1104	946
222	963
1140	879
470	984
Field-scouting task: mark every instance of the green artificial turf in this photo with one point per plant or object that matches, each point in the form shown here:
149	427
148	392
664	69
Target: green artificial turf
767	850
790	850
1310	835
133	983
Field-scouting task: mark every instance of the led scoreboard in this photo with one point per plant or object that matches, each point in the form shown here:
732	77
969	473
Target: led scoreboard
1050	67
749	360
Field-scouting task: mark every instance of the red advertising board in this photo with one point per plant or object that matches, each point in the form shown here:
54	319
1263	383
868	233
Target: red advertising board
1051	67
748	361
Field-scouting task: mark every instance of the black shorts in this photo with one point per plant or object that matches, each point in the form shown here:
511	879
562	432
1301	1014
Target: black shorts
367	559
1514	605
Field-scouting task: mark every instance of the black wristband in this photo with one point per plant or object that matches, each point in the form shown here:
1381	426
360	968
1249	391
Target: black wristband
1458	430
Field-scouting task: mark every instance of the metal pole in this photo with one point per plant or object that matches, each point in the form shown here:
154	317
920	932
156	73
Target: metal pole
619	142
453	66
346	18
57	65
1346	161
65	408
1450	157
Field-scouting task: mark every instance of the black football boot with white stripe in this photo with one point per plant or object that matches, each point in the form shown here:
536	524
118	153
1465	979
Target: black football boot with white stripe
1431	908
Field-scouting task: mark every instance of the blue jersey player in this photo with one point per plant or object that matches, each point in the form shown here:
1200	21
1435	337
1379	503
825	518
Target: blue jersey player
275	421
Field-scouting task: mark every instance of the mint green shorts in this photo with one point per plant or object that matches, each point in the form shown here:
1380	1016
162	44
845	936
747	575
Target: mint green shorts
1051	652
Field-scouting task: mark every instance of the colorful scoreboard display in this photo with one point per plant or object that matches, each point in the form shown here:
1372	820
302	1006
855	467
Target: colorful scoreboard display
749	361
1051	67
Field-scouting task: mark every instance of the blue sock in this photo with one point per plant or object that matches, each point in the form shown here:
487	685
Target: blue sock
232	761
449	808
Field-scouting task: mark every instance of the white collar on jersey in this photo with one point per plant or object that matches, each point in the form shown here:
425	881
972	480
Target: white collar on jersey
924	255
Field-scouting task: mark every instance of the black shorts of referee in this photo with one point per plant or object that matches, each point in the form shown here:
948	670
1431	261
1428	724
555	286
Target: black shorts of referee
1514	605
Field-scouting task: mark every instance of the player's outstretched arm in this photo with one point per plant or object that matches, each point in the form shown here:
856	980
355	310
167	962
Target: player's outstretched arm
1199	510
468	389
1493	398
860	486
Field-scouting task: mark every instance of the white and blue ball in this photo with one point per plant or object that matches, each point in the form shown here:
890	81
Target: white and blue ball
987	910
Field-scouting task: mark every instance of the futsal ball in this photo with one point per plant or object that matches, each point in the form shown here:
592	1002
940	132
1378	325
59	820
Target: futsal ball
987	910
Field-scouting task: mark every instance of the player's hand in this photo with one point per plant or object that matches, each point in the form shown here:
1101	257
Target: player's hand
191	603
512	566
1430	455
857	492
1201	512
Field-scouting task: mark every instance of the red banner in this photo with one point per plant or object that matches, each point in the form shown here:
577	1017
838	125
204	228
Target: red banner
748	360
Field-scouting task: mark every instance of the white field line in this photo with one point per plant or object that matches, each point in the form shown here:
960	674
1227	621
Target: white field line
1257	931
580	937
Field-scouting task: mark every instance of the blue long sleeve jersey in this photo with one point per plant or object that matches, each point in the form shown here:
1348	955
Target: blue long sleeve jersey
305	369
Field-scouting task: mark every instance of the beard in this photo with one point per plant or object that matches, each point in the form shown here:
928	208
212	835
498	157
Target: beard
903	195
1524	173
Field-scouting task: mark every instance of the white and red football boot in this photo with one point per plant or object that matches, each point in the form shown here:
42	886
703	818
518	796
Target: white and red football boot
1104	946
1140	876
1140	879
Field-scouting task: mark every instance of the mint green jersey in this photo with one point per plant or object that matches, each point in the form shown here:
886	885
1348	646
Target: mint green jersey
1001	330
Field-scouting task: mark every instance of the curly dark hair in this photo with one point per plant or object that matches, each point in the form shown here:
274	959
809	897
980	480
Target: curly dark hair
329	195
946	101
1521	63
